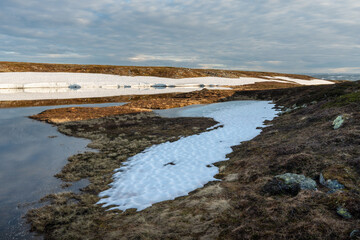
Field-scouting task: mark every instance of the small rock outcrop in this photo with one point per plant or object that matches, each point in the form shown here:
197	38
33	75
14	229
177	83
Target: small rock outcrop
292	178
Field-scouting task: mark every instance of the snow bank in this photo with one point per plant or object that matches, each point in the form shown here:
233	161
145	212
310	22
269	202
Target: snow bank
111	85
169	170
302	81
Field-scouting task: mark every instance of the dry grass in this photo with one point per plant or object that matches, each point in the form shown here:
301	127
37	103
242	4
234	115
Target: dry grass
168	72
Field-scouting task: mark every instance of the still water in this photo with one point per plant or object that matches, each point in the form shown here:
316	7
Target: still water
336	76
31	153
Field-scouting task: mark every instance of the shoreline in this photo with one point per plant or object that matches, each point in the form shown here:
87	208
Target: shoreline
129	98
31	81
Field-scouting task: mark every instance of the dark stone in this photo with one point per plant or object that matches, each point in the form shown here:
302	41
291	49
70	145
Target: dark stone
355	234
170	163
278	187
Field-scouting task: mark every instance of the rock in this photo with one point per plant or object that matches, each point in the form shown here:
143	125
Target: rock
355	234
343	212
74	86
322	179
333	185
338	122
304	182
278	187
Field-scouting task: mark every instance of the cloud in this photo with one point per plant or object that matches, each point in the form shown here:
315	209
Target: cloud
62	55
274	62
211	65
273	35
144	58
344	70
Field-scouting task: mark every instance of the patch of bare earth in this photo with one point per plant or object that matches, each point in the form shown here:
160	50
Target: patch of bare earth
301	141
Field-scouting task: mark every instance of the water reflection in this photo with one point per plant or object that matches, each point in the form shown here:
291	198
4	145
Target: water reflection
76	91
31	153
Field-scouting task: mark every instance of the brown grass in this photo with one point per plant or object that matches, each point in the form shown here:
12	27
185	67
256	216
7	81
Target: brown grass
168	72
137	104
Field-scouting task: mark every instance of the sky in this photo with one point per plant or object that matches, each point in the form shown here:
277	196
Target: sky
307	36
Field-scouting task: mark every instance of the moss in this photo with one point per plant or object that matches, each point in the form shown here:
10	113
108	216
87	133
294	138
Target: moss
346	99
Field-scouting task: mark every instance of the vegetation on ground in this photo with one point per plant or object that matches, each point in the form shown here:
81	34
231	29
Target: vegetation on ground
301	141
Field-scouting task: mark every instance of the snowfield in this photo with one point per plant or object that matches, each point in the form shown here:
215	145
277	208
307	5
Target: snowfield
57	85
173	169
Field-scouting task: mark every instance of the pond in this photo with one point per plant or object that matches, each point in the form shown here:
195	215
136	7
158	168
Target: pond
31	153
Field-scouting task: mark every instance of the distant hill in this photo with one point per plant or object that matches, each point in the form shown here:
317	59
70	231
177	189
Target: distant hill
169	72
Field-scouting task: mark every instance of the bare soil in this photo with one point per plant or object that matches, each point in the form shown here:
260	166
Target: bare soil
301	141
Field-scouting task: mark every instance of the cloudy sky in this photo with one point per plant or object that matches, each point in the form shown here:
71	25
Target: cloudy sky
274	35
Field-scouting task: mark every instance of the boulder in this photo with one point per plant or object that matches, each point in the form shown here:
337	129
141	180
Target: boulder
278	187
292	178
355	234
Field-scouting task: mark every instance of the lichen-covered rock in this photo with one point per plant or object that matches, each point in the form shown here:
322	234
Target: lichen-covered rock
304	182
333	185
338	122
343	212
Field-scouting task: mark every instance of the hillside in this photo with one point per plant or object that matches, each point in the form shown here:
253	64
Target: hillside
169	72
250	202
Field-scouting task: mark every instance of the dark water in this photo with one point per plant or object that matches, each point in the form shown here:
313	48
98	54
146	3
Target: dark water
31	153
336	76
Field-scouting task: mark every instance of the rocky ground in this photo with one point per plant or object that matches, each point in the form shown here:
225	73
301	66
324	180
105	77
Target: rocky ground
299	179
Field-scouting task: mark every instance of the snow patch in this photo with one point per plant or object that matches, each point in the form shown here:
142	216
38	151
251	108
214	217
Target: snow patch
303	82
173	169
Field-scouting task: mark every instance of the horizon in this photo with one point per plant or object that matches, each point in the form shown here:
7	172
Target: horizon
271	36
164	66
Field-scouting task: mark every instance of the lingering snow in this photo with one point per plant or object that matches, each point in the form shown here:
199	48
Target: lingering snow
36	85
172	169
302	81
45	80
